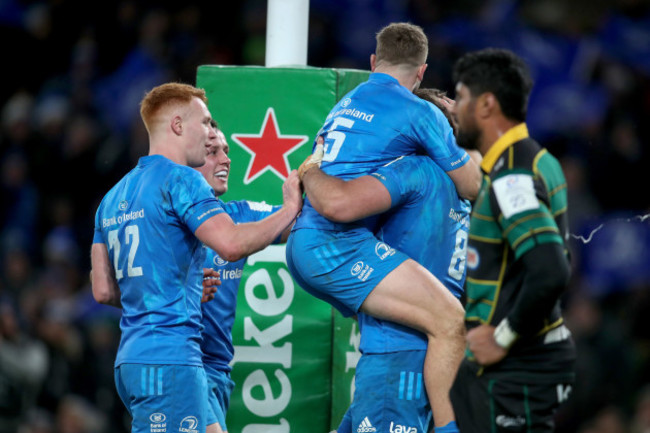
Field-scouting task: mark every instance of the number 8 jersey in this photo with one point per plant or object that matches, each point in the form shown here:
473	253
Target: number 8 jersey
372	125
147	222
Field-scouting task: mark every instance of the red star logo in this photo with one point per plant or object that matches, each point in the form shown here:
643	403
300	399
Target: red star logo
269	149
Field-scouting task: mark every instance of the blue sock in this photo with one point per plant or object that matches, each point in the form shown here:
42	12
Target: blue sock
449	428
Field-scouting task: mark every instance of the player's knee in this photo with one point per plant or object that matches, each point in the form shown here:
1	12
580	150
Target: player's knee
452	326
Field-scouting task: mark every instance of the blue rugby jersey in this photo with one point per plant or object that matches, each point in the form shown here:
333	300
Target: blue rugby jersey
429	223
147	221
219	314
372	125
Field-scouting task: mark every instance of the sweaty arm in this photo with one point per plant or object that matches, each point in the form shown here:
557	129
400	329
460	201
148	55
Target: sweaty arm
467	179
104	285
345	201
235	241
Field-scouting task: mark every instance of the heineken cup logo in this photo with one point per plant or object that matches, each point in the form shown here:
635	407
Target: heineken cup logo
269	149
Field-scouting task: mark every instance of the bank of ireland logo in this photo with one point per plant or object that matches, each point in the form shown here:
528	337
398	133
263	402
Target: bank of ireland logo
158	424
382	250
123	205
269	148
346	102
218	261
356	268
189	424
361	270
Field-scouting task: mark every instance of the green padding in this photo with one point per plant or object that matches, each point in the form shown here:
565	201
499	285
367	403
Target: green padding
285	347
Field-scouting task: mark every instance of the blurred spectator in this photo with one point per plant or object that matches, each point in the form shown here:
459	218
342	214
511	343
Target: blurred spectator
23	365
641	418
20	198
609	420
76	415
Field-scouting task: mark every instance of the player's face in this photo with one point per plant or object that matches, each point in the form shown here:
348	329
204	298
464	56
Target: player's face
199	133
217	164
468	133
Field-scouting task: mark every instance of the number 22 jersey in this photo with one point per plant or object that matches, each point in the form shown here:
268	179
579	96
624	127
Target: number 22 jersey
147	222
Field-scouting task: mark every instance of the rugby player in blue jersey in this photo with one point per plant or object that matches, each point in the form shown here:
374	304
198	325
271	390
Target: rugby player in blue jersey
344	263
427	220
147	259
219	314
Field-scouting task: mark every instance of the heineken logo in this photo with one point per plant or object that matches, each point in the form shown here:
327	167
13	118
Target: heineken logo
269	149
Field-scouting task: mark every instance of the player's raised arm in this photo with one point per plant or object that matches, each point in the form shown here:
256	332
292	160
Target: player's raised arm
467	179
337	199
234	241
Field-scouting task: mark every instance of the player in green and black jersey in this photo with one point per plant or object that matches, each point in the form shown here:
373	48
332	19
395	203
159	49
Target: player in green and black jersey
520	357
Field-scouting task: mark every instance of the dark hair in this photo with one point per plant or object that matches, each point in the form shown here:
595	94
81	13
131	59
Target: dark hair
500	72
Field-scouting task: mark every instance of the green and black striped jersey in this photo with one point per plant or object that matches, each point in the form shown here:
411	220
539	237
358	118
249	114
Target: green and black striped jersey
522	203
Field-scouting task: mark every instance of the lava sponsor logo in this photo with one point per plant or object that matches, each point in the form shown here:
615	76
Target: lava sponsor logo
398	428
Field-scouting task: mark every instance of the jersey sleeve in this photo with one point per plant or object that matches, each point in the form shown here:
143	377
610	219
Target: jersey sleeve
98	237
402	178
192	198
437	138
524	218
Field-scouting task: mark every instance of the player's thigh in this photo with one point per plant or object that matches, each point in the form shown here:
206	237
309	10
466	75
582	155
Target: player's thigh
389	393
412	296
164	397
341	268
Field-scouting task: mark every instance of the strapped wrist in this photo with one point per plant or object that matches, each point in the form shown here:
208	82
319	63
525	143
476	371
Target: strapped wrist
504	335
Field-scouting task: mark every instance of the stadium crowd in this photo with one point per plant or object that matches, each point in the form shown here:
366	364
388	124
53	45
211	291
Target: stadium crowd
69	129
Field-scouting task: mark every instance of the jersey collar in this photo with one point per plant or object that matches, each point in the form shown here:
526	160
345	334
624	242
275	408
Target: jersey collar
382	78
513	135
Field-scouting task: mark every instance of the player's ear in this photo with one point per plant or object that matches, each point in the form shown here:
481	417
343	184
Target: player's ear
486	104
177	125
373	62
421	70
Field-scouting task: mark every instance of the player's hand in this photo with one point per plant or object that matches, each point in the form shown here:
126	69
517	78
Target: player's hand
292	193
211	280
480	341
450	107
313	160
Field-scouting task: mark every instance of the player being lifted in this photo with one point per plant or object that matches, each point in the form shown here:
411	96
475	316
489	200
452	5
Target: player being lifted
344	263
